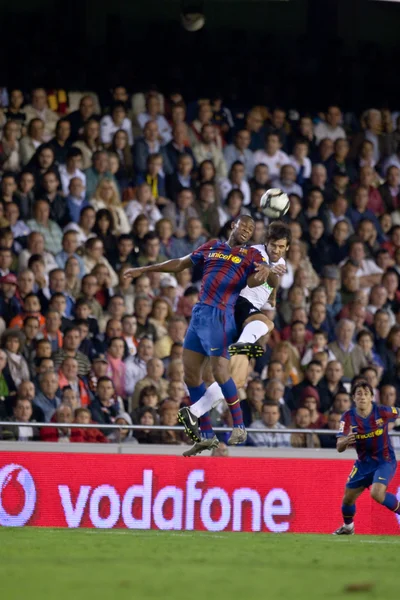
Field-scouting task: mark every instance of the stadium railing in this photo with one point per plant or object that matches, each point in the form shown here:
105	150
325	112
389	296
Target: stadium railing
308	432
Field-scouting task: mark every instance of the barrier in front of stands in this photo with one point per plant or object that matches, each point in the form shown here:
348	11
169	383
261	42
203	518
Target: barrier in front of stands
173	493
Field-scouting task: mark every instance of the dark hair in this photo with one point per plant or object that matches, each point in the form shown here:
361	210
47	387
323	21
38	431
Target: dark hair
363	333
278	231
123	237
296	323
104	378
233	192
103	212
72	152
314	362
361	384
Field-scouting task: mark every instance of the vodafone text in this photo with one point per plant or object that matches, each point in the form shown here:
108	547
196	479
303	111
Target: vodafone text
181	513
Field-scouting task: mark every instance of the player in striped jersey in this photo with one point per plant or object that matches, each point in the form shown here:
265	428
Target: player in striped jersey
366	426
227	268
250	321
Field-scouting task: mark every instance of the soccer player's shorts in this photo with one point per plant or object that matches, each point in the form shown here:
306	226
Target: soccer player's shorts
243	310
365	474
211	331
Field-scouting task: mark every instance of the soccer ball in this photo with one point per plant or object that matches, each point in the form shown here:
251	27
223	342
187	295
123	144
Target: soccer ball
275	203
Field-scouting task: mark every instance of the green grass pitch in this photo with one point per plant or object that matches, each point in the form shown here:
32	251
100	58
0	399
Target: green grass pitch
37	564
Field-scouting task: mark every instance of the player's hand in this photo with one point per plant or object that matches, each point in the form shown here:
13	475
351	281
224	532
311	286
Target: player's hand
261	272
133	273
351	439
279	270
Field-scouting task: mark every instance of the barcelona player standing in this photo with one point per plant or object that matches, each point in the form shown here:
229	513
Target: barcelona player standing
366	426
227	268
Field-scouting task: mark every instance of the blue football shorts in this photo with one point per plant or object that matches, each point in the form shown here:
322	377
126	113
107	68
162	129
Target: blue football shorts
211	331
364	474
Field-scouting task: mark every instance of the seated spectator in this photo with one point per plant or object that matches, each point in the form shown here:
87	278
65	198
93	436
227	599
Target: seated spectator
287	181
239	151
177	327
104	408
18	228
272	156
31	141
120	146
71	343
334	381
169	418
41	223
47	399
153	113
207	149
148	416
365	340
302	420
104	229
329	441
63	415
123	435
107	196
155	178
254	123
179	146
9	148
136	366
147	145
17	367
318	343
287	355
300	160
341	402
148	398
236	180
144	203
346	352
182	177
93	257
330	127
92	435
90	142
30	308
313	377
61	141
116	120
68	377
150	253
40	109
232	209
99	170
310	399
22	412
275	391
190	242
154	377
270	419
388	396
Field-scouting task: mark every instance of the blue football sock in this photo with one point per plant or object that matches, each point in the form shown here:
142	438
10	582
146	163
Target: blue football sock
348	513
195	394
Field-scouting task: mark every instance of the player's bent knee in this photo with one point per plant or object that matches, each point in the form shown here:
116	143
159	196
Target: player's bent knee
378	493
220	369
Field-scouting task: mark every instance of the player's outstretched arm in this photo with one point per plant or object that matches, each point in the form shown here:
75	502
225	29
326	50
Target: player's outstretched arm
275	273
169	266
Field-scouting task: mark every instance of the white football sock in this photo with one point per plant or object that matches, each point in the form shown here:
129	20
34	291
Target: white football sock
210	399
253	331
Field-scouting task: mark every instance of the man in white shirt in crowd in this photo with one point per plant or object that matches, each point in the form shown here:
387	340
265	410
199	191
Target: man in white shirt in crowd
368	272
110	124
287	181
272	156
269	419
330	128
71	169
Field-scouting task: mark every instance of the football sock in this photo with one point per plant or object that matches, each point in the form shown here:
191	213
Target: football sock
231	396
348	513
253	331
211	398
391	503
195	394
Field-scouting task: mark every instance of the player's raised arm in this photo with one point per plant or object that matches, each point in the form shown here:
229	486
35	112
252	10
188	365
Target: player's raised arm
169	266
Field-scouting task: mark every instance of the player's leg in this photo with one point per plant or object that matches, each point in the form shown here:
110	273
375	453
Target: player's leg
349	510
383	475
194	359
221	372
255	326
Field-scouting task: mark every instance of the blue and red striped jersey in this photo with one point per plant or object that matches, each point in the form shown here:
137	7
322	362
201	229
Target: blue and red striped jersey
225	271
372	432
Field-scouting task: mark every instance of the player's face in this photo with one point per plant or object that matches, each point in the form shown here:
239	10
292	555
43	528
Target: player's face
243	230
277	249
363	399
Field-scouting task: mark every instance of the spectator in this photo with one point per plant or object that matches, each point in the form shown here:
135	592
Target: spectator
116	120
47	399
71	342
147	145
90	142
302	420
239	151
207	149
235	180
330	128
107	196
269	419
329	441
310	399
39	110
272	156
153	113
104	408
22	413
154	377
346	352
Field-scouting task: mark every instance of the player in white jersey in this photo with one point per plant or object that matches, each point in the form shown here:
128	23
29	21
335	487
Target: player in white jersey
251	323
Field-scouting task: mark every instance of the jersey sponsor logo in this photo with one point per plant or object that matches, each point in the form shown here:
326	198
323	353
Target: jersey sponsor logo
379	422
235	259
394	410
371	434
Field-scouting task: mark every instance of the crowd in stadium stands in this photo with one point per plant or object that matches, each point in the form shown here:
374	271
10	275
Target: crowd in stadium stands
88	193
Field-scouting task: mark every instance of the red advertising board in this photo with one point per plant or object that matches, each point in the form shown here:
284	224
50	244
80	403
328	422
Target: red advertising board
174	493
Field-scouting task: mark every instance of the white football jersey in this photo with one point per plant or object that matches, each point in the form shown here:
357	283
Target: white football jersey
259	295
